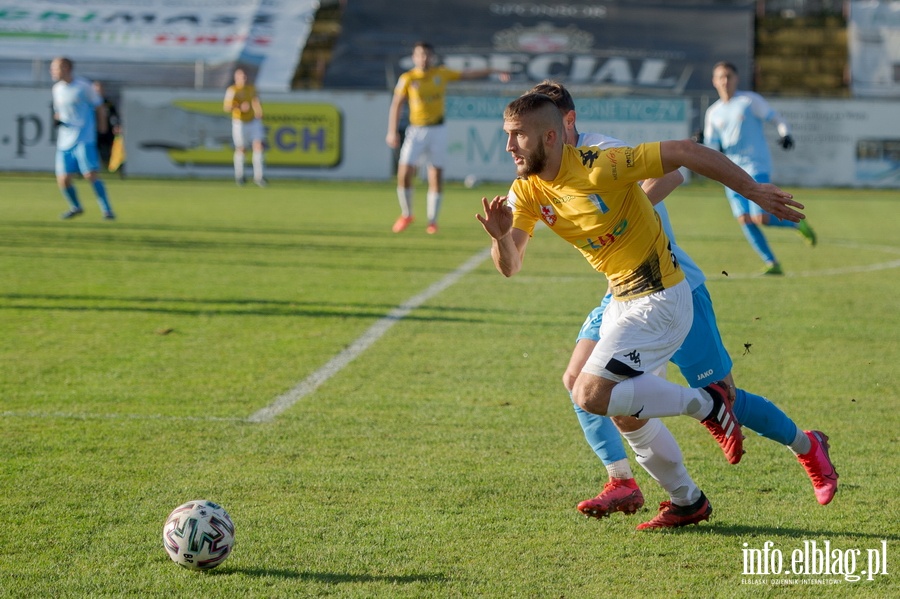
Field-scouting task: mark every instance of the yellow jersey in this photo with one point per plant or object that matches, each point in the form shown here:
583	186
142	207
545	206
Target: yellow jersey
425	91
596	204
239	95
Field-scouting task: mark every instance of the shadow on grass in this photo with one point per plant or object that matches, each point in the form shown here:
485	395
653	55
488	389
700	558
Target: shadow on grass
331	577
235	307
768	532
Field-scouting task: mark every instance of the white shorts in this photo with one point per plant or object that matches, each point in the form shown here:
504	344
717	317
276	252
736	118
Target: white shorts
430	142
244	133
641	335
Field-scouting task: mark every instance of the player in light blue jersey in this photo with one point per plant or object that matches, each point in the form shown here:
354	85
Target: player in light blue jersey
75	106
734	126
702	359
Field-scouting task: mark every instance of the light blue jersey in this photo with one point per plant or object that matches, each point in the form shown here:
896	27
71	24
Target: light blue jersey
736	128
75	104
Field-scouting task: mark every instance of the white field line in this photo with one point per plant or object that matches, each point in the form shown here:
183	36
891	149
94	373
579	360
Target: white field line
373	334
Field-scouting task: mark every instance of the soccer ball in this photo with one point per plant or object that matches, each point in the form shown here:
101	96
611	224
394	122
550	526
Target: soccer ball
198	535
471	181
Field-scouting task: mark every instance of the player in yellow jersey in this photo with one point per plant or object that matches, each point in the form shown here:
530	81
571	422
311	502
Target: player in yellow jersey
423	88
592	199
243	103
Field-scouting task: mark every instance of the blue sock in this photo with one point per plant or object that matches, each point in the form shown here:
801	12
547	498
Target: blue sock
762	416
758	241
71	197
602	435
774	221
100	190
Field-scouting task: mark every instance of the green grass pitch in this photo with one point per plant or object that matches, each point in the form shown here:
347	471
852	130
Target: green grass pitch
442	459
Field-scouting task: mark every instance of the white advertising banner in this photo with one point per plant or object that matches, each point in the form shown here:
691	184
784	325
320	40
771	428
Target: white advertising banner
874	40
269	34
340	135
839	143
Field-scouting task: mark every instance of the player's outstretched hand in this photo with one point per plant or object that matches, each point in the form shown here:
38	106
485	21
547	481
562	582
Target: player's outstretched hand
497	219
778	202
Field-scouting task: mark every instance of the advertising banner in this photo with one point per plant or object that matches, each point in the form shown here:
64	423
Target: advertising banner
874	35
477	142
635	46
341	135
309	134
839	143
267	34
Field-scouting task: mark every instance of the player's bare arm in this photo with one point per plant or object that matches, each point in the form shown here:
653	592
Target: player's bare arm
393	137
714	165
228	104
507	243
658	189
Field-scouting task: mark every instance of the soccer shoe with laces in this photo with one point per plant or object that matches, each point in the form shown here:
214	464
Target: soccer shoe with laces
618	495
819	467
809	236
71	213
723	425
673	516
401	223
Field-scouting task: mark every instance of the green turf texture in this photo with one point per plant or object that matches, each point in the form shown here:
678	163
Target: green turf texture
445	460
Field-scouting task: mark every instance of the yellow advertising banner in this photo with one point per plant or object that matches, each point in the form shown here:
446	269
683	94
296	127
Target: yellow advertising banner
296	134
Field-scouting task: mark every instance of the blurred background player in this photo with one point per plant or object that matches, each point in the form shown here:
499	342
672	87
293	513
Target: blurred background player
107	127
734	126
242	101
424	88
76	110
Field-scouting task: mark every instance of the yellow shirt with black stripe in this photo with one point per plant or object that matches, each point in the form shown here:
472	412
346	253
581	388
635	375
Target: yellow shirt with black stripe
242	94
425	91
596	204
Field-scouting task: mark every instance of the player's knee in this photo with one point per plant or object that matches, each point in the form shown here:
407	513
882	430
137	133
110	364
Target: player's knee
590	398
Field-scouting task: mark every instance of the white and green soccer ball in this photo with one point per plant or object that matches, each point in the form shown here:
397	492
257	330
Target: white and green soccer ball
198	535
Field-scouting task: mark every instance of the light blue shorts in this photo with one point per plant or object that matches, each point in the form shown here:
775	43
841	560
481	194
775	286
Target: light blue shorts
80	158
741	205
702	357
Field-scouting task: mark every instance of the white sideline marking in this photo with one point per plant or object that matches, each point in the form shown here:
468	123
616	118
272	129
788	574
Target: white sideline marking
373	334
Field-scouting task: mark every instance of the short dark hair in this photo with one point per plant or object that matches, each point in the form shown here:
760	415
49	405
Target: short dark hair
66	61
424	45
728	65
557	92
530	103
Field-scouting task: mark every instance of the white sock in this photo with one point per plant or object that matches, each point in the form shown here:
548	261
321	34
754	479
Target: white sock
405	195
620	469
801	443
648	396
658	453
257	165
434	205
238	166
